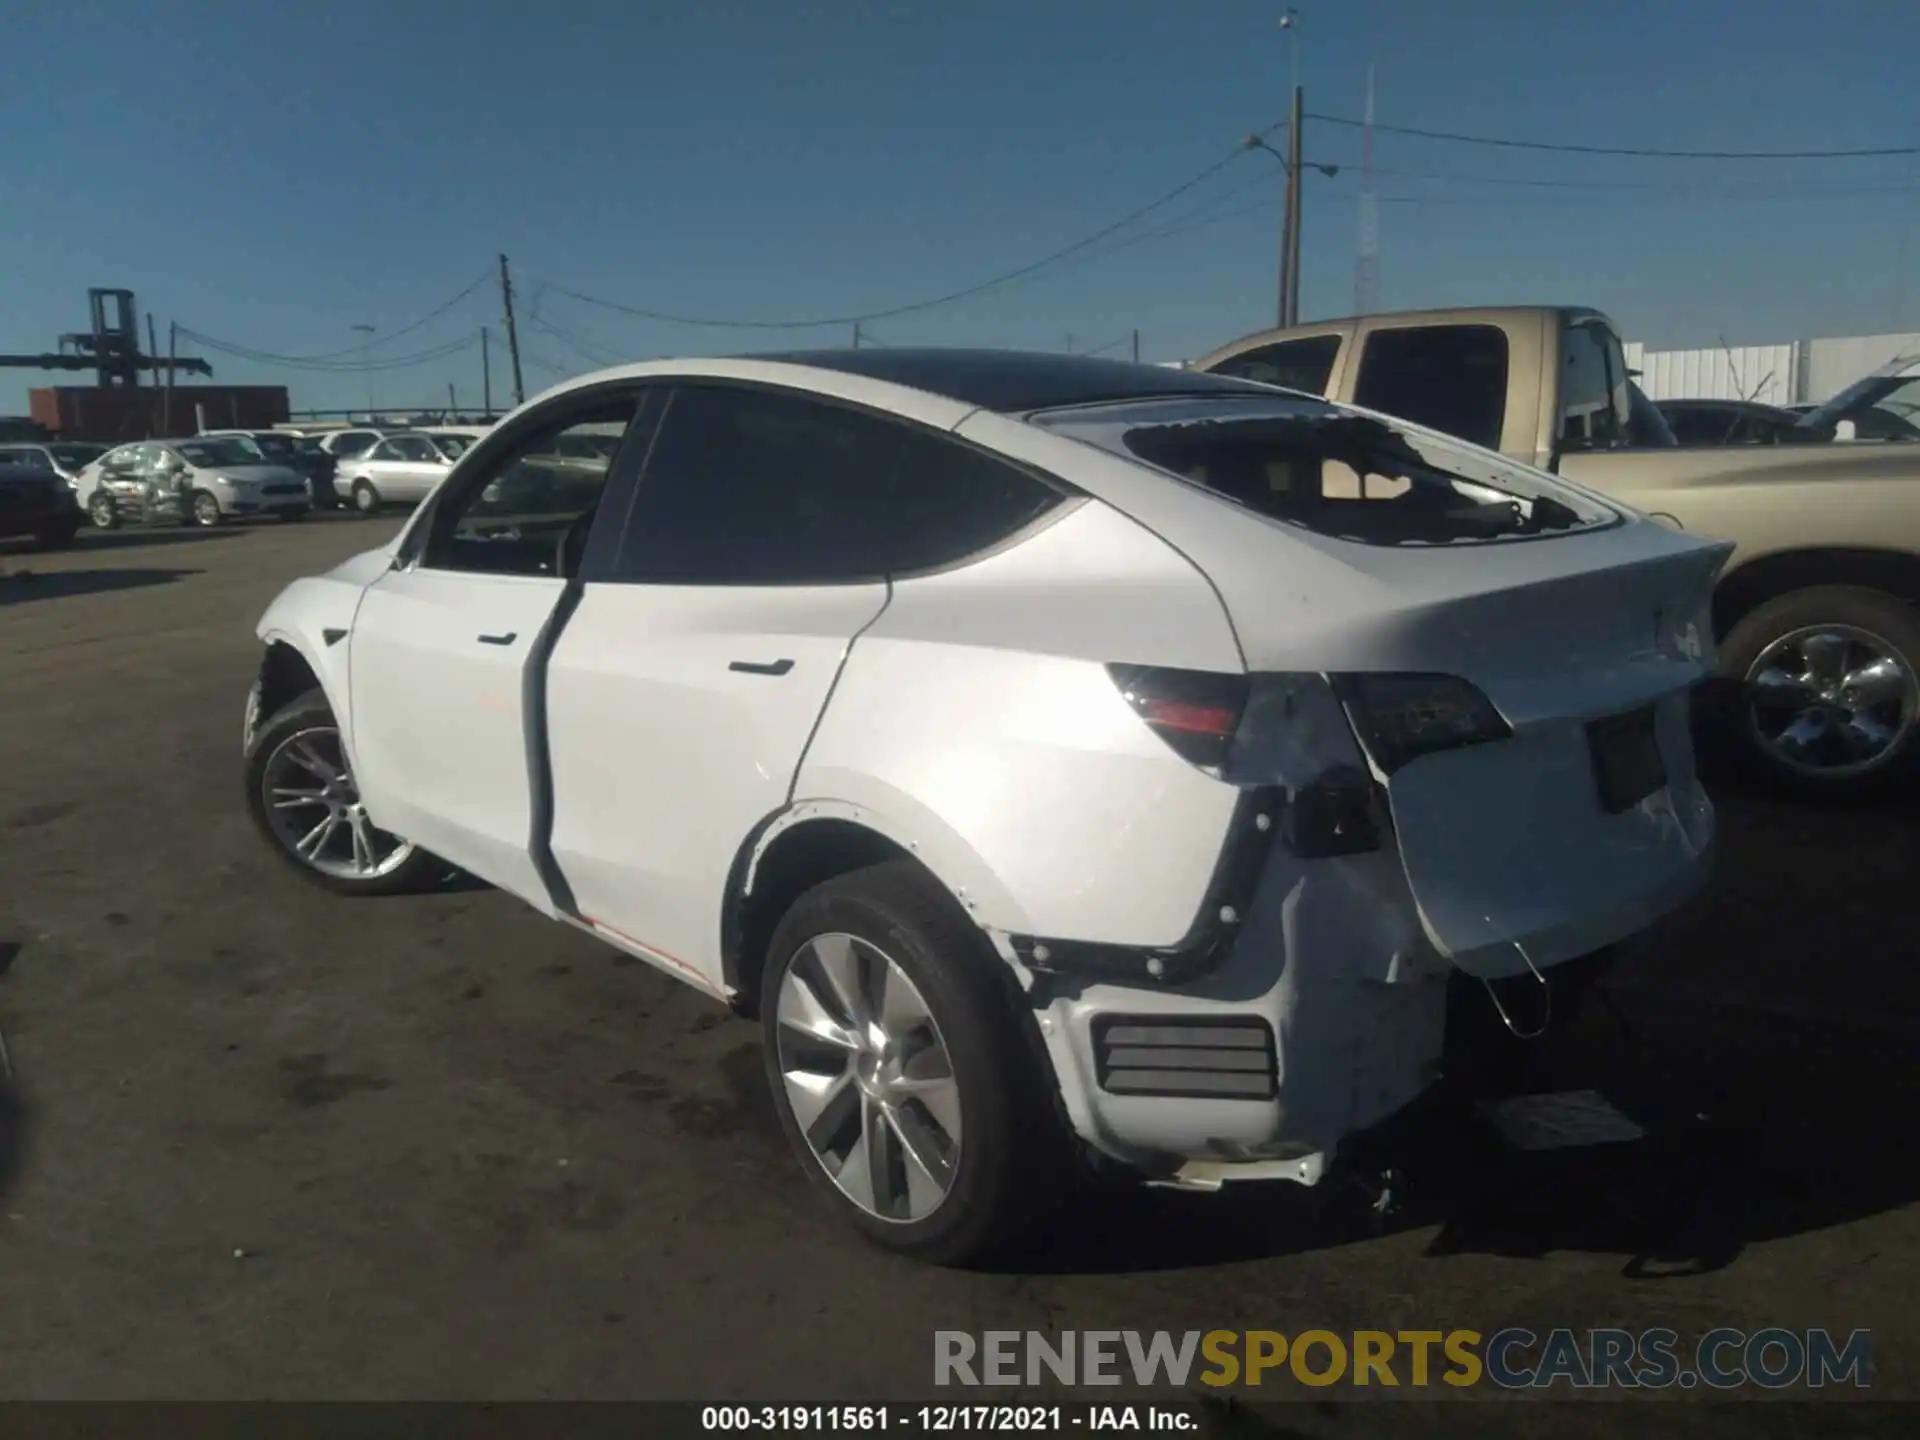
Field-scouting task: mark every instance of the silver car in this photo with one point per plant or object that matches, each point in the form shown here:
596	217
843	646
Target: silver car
400	470
65	458
203	481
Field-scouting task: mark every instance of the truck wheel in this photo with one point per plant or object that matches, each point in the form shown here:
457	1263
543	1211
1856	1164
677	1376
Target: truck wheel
302	796
899	1072
1828	690
103	512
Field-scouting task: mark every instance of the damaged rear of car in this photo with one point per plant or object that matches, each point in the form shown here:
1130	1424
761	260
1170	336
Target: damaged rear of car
1461	746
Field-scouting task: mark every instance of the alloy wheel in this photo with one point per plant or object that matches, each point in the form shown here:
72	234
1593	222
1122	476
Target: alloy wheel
100	511
1831	700
868	1077
206	509
314	809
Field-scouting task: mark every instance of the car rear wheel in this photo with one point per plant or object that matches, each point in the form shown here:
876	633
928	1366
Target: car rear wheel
366	499
1829	689
102	511
899	1071
302	796
206	509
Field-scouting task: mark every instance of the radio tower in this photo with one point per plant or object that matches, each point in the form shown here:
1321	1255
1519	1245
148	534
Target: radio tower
1366	265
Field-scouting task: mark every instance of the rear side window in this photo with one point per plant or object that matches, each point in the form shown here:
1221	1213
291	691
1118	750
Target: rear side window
1589	417
1452	378
748	487
1296	364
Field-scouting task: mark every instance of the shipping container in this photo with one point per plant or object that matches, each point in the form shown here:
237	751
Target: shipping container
113	416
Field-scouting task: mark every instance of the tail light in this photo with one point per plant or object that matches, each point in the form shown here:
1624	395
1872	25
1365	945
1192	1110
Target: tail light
1402	717
1195	711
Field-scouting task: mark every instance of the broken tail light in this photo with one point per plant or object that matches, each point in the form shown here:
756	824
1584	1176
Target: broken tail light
1195	711
1399	718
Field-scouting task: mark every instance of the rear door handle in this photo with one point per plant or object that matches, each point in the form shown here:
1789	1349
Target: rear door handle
771	667
506	639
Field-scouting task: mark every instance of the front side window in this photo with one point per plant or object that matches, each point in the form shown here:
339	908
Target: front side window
525	513
413	447
1451	378
1295	364
761	487
1589	412
211	454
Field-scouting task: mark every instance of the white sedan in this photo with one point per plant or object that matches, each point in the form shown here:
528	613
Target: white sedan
203	481
400	469
1059	756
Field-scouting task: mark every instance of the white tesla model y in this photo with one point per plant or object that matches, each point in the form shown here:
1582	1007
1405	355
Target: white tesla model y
1057	755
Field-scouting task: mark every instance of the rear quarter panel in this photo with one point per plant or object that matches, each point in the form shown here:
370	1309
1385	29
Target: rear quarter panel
975	721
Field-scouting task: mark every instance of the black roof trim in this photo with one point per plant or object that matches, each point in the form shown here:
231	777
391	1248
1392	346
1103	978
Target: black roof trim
1015	381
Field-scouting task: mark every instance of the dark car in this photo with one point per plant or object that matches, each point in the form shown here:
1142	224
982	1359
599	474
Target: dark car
1730	422
37	501
299	453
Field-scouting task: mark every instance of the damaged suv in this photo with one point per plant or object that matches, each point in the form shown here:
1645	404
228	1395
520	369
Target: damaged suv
1052	752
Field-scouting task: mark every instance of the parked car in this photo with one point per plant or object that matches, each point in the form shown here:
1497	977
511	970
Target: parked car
1731	422
398	470
348	444
66	458
1052	752
1819	641
203	481
1882	406
37	502
277	447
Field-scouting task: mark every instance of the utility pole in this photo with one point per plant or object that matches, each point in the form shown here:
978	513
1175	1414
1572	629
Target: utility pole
1366	266
486	372
1293	210
1136	347
513	335
856	334
173	348
453	405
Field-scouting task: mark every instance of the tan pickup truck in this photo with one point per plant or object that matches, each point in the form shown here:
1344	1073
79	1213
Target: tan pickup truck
1815	613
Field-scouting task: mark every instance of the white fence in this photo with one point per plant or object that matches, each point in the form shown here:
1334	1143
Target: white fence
1804	372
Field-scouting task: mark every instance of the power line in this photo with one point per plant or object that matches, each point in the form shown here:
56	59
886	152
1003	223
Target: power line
485	277
332	366
1644	154
918	305
1645	186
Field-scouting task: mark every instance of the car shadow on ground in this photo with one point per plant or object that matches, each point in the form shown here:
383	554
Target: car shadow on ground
1765	1042
19	586
142	535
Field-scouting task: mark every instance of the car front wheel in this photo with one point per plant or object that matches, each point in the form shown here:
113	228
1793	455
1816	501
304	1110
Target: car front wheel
366	499
102	511
899	1071
302	796
1828	698
206	509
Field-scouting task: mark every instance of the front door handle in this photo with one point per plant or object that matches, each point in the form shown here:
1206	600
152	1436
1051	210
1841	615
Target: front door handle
771	667
506	639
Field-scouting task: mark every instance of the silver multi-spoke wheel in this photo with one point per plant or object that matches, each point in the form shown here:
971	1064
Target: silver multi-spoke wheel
868	1077
314	810
1831	700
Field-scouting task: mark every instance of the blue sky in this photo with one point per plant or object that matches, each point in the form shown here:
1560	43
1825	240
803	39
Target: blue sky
275	174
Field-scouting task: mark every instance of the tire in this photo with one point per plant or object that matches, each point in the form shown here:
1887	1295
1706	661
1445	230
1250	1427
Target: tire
205	509
1872	625
101	510
309	721
1003	1171
366	499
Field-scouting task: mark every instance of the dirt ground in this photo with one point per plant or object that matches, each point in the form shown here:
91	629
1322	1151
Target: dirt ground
284	1145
